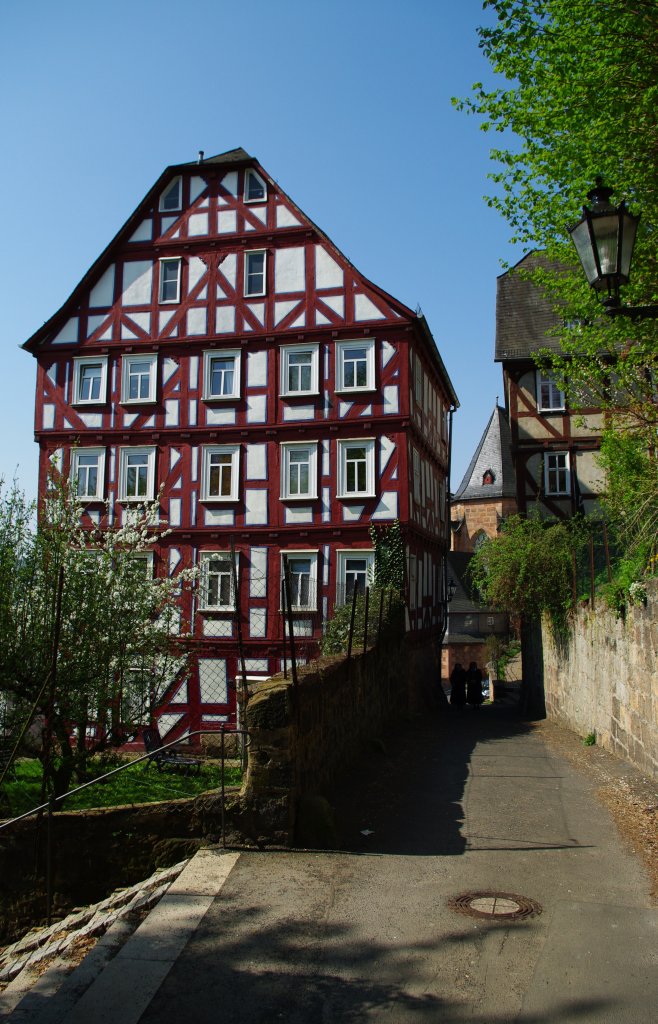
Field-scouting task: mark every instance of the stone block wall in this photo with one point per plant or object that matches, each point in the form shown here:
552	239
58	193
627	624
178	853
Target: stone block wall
605	680
479	515
301	741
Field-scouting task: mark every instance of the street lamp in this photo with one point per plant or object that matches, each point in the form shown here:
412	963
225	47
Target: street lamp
604	238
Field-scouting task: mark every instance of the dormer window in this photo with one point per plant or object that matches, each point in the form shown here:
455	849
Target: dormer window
171	198
488	478
255	189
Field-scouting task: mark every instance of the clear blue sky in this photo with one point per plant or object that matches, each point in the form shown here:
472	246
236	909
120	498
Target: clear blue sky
347	105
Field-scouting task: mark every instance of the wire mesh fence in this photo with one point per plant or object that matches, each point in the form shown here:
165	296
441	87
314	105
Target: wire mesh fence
594	561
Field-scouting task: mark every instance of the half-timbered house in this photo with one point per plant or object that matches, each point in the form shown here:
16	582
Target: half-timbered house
553	449
223	354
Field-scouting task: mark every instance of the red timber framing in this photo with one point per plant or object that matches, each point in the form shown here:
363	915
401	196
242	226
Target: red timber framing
225	354
553	449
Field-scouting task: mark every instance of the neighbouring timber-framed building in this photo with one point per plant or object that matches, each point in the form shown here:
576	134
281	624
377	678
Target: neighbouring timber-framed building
553	448
224	354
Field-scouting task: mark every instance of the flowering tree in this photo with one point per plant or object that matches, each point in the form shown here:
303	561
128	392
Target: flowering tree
89	638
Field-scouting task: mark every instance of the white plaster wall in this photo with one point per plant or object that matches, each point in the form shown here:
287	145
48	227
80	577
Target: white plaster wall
102	294
137	280
257	369
327	272
68	333
256	462
289	270
255	500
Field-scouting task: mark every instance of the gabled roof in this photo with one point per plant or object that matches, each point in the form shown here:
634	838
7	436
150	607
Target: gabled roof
525	317
494	453
234	157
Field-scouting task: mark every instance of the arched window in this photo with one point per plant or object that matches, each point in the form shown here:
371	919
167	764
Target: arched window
488	477
479	539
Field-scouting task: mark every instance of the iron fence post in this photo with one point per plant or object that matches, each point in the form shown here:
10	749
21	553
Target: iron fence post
238	627
222	761
351	632
293	658
283	622
49	860
381	613
365	627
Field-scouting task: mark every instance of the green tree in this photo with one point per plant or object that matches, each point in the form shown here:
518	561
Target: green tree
87	636
579	98
526	570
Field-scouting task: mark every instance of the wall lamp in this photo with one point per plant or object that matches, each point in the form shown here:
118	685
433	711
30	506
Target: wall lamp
604	238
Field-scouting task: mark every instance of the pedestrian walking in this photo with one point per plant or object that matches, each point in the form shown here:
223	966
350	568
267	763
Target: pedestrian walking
458	686
474	695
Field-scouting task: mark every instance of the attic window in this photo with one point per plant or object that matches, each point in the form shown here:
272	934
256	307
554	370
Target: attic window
488	478
170	199
254	188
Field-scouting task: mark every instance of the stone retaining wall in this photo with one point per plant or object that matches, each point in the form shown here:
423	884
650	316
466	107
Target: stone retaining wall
605	680
301	741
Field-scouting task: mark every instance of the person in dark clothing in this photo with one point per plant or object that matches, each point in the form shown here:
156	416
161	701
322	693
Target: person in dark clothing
458	686
474	694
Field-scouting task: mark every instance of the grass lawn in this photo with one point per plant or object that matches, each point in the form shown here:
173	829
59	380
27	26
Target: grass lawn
137	785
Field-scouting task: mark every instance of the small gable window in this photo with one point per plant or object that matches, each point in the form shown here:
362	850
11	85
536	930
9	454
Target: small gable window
254	273
488	478
171	198
255	190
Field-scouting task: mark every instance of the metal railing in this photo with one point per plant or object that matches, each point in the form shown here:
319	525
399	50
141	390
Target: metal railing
50	805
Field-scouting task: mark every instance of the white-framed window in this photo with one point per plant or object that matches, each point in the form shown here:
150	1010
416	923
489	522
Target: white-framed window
556	473
216	586
221	374
255	189
356	468
171	198
170	267
299	470
355	365
88	473
299	370
137	474
353	569
90	380
138	378
144	561
303	576
549	396
255	266
220	472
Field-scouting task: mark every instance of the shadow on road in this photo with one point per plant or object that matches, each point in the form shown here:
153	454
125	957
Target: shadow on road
246	968
407	790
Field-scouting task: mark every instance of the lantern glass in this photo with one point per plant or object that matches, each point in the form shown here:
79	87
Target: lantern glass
606	234
604	241
586	252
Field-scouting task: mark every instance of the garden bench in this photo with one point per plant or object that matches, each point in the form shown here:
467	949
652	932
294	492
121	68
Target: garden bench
168	758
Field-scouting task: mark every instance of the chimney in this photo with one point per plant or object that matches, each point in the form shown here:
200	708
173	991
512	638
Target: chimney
201	154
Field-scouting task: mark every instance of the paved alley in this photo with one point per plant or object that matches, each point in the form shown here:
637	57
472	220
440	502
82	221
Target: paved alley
461	804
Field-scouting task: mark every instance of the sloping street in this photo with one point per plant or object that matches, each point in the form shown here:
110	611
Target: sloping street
459	805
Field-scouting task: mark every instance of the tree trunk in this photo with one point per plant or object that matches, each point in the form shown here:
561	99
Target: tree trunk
532	656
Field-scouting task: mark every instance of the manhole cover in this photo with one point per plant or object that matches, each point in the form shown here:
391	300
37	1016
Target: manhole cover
505	906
